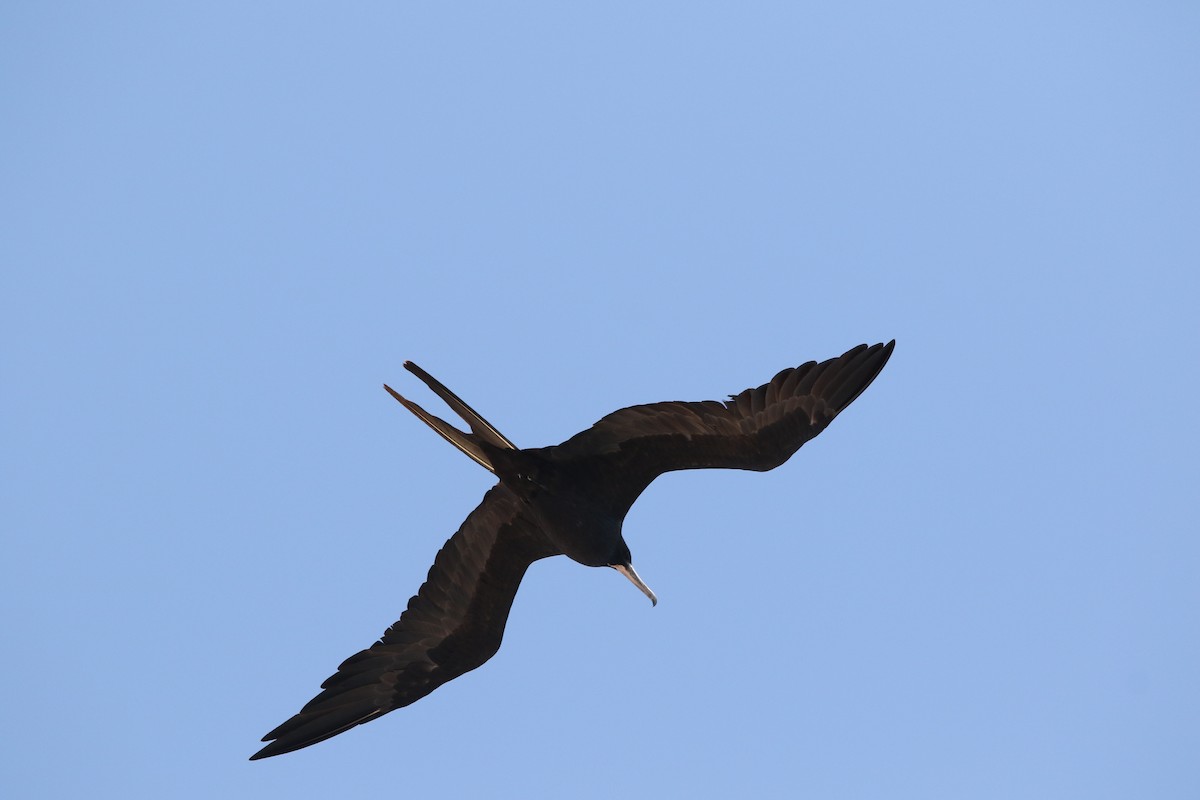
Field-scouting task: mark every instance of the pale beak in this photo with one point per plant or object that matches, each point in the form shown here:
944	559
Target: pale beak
628	571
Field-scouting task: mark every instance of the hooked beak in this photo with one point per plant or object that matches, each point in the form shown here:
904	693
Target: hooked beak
628	571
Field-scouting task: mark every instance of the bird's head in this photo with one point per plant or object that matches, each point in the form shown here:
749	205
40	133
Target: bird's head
587	532
621	561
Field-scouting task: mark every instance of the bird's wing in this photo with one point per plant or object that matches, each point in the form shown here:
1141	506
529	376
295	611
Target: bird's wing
758	429
453	625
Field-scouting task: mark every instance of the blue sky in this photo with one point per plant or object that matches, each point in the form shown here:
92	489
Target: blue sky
225	225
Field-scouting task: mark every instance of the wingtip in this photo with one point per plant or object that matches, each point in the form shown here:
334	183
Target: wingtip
276	748
887	350
265	752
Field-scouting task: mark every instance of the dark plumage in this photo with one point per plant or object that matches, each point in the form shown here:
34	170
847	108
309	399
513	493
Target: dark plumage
570	500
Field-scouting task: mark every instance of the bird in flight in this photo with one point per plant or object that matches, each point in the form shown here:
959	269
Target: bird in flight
570	499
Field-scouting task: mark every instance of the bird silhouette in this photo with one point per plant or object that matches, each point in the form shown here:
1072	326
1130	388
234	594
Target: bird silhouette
570	499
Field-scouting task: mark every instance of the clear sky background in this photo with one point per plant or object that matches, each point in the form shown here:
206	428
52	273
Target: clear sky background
225	225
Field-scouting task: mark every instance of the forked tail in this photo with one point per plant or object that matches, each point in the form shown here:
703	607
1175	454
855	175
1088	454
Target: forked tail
469	443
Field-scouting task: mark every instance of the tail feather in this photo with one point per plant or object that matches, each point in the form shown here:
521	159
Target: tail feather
463	441
482	431
479	426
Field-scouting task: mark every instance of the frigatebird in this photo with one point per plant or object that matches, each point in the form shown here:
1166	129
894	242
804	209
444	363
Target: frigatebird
570	499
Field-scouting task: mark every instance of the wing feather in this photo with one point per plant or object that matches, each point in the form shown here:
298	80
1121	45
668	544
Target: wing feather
453	625
757	429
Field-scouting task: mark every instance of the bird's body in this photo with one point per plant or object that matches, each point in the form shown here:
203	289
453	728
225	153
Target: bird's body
570	499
